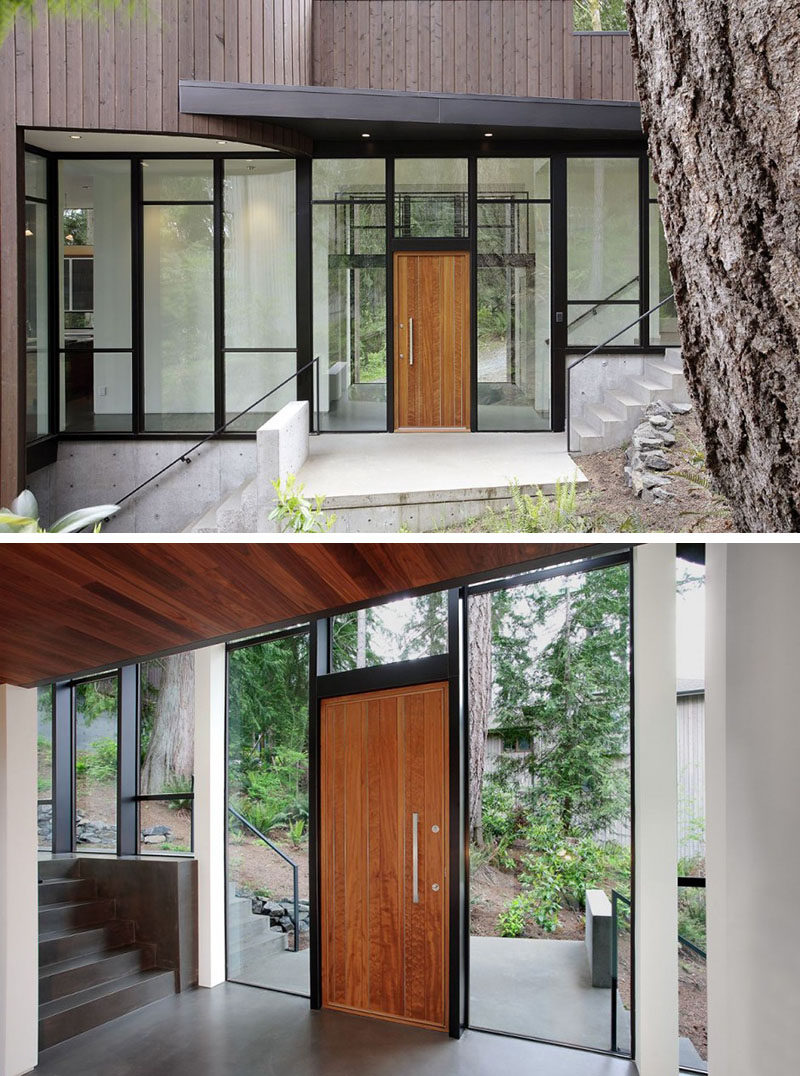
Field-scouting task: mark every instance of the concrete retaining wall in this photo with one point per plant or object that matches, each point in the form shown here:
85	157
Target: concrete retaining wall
282	450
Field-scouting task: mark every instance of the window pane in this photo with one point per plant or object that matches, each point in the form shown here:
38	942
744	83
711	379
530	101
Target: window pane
179	317
96	390
260	224
399	631
602	247
514	177
35	175
36	320
96	765
165	827
166	724
600	15
268	786
178	181
44	754
349	294
664	323
513	316
431	198
248	375
95	265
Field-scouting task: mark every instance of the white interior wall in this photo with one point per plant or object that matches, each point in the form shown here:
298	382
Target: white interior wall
656	797
209	811
753	808
19	928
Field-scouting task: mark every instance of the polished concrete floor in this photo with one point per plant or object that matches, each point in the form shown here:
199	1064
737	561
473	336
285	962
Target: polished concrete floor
240	1030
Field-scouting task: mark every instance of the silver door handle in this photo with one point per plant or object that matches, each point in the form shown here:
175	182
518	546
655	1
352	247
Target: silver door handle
411	348
415	857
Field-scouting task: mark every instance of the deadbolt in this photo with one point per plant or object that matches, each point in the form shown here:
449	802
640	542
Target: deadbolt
435	887
434	829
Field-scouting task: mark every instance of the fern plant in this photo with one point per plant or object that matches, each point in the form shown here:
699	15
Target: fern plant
540	514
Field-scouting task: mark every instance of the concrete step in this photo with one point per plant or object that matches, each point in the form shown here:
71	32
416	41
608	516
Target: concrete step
90	969
605	420
59	890
624	405
647	390
85	913
256	951
206	524
584	437
60	945
230	513
66	1017
673	357
68	867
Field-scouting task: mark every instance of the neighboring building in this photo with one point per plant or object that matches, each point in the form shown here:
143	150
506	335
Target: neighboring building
196	202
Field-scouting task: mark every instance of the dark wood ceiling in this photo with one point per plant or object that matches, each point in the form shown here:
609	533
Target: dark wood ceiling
73	608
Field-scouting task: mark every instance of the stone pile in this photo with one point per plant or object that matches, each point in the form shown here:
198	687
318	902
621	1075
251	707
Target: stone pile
280	913
647	457
156	835
88	832
45	820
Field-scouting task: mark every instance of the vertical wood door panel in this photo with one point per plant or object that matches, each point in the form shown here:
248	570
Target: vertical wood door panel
432	290
383	760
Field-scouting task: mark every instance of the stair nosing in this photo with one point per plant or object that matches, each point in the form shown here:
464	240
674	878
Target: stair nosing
82	960
91	994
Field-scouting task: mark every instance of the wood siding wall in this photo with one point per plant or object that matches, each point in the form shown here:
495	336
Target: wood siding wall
117	72
525	48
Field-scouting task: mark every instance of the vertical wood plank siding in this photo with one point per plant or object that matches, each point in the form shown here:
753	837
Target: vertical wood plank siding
116	72
523	48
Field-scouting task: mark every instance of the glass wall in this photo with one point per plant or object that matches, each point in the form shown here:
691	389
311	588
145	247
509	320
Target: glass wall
664	323
96	704
37	379
44	755
398	631
349	292
602	249
178	253
267	836
95	356
430	198
513	271
260	288
166	754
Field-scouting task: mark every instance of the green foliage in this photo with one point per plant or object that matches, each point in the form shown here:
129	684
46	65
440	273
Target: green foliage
499	815
178	785
11	9
296	831
99	763
23	517
540	514
294	511
600	15
692	916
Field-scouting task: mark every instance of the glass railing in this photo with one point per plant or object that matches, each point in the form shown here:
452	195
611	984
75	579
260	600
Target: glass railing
692	995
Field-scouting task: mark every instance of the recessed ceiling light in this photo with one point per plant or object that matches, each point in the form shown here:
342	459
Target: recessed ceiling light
488	134
365	134
28	231
145	164
221	142
75	136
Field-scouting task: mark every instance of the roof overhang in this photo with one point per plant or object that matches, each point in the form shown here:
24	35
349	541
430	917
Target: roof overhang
331	115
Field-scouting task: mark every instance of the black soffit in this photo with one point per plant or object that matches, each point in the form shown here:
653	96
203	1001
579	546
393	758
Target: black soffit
329	114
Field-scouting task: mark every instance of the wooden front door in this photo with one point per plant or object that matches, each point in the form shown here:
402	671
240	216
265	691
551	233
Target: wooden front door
431	341
383	854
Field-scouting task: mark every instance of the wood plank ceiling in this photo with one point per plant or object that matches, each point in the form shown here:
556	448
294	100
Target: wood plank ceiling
75	608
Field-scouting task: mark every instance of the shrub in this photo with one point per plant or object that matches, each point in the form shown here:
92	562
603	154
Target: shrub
692	916
294	511
498	810
100	761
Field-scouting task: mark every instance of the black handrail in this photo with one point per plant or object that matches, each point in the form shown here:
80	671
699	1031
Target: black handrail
184	456
289	860
592	311
599	347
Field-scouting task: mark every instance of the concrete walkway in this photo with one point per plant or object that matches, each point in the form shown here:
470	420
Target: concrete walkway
380	481
542	989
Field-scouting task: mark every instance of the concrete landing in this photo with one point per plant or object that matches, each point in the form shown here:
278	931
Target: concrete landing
424	481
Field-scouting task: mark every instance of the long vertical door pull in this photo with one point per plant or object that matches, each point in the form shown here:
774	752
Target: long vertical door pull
415	857
410	341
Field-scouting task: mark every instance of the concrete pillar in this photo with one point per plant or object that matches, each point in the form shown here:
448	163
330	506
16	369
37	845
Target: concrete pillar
753	807
656	792
209	811
19	897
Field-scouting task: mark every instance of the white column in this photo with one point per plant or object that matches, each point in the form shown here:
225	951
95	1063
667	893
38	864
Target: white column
656	791
19	897
209	811
753	808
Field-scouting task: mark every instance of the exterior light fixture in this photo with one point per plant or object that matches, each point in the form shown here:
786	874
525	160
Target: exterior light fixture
28	231
221	142
76	137
488	134
365	134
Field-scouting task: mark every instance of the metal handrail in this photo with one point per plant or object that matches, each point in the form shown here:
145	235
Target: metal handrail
287	859
592	311
599	347
184	456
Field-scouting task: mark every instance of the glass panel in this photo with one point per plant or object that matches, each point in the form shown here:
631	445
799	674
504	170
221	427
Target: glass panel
513	316
165	827
692	979
96	389
349	294
664	323
96	765
166	724
401	630
602	247
178	317
36	320
178	181
248	375
95	265
35	175
430	198
600	15
513	177
551	832
44	754
268	785
260	224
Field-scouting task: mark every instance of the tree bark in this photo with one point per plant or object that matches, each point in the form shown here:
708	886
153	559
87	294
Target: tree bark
719	85
480	700
171	749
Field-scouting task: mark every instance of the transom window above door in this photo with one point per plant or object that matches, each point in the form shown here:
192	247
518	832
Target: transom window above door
430	199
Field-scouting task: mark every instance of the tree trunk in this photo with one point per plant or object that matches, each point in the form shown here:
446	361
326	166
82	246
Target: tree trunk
720	90
480	700
361	638
171	749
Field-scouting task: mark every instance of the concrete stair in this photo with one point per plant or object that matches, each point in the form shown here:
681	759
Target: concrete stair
236	514
91	969
610	424
250	940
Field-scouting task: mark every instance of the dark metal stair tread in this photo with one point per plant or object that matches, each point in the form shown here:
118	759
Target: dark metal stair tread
102	990
84	959
70	932
75	903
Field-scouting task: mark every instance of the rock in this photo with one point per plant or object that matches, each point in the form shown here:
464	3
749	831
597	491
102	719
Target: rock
155	838
658	407
650	480
681	408
667	438
660	421
656	461
157	831
645	437
661	494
